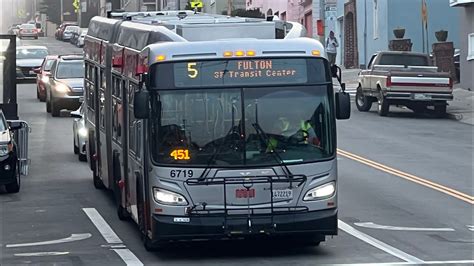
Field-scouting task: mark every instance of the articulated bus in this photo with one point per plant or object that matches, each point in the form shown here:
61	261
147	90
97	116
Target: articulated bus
213	139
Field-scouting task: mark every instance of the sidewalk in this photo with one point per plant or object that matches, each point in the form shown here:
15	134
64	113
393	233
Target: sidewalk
461	107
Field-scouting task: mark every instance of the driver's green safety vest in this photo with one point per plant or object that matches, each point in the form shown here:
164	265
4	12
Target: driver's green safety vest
305	126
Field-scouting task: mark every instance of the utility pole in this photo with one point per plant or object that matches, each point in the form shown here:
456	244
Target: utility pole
229	7
62	11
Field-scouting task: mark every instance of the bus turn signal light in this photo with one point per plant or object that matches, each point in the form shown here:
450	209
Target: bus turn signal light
160	58
239	53
316	52
250	53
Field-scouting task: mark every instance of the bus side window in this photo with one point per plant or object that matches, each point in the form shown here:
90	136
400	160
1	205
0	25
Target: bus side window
138	138
117	109
132	121
102	109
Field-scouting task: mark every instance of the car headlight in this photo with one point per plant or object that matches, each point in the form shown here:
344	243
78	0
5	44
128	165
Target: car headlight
5	149
321	192
169	198
82	132
62	88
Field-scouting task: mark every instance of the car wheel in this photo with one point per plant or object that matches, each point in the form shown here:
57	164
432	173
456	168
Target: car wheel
55	108
383	106
48	103
76	149
363	102
440	110
82	157
15	186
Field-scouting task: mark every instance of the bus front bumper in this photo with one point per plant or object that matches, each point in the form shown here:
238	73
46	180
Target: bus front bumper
322	223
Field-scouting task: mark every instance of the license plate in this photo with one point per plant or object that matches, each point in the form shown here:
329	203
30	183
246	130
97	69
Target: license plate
282	194
32	72
420	96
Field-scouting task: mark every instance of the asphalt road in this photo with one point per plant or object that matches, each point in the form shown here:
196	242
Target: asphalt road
405	196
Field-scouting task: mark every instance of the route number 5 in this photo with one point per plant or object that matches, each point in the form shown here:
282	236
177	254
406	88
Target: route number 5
192	71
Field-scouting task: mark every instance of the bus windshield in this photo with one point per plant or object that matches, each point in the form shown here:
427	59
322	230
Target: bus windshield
232	127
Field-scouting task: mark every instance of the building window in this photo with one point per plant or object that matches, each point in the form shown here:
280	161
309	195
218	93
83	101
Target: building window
470	47
376	19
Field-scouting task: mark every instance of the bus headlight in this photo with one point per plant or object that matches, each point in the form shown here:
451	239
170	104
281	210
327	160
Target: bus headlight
5	149
169	198
82	132
322	192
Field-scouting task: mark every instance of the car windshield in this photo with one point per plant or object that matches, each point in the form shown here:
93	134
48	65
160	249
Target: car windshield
28	26
48	64
70	28
244	126
400	59
31	53
70	69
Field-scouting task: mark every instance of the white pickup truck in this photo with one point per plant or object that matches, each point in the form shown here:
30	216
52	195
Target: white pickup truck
403	78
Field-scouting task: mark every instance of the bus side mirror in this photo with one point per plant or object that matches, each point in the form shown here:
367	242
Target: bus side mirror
336	72
343	105
141	104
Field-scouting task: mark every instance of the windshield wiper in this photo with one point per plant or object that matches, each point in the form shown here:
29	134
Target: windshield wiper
264	137
231	131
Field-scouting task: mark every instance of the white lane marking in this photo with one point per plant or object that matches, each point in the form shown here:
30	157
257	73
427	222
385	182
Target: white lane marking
128	257
101	225
109	235
402	228
377	243
470	227
39	254
468	262
73	237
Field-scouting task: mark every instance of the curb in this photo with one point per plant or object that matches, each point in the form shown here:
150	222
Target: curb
453	116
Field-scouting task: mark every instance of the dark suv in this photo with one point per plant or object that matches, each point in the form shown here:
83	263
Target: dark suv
65	88
9	164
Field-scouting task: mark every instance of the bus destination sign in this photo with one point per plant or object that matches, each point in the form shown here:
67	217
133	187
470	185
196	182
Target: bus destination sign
240	72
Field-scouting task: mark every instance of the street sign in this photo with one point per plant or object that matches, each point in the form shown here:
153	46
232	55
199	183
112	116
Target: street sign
196	4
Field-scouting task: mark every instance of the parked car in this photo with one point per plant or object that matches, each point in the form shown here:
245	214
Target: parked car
27	59
75	35
79	133
403	78
28	30
9	164
43	74
14	29
68	32
80	40
65	89
60	30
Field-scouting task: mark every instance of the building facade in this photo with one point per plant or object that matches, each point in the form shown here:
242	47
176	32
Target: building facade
220	6
366	27
466	41
306	12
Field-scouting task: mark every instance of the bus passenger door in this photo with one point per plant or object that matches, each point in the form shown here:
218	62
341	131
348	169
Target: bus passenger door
135	155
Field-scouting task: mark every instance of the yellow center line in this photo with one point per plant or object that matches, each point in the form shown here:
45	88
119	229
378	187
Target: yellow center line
446	190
